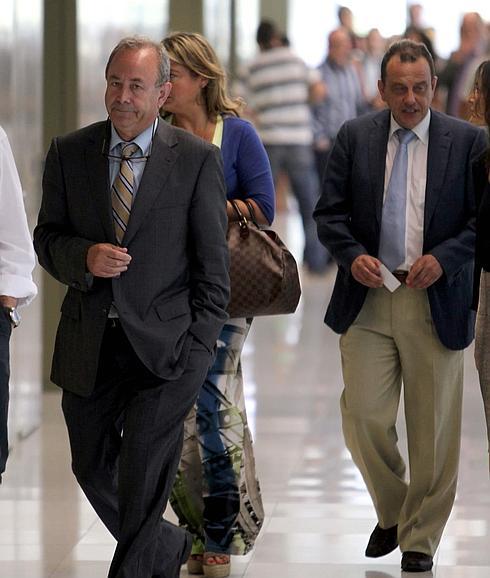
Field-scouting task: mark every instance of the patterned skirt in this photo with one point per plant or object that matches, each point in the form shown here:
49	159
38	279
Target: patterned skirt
216	495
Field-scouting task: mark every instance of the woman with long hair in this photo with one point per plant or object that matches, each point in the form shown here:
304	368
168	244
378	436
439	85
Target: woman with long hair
216	495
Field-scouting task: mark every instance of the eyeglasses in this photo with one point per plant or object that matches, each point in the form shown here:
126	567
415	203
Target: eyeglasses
136	159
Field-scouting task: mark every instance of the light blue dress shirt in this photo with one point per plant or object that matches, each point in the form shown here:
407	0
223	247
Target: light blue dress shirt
143	140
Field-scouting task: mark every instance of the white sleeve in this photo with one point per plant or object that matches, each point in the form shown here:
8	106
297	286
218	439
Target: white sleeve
16	250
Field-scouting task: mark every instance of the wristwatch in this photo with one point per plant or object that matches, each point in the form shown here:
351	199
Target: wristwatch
14	316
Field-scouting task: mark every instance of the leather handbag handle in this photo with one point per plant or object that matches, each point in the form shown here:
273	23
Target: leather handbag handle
241	216
242	220
251	212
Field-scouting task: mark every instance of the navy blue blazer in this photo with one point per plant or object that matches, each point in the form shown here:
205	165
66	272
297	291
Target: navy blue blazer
348	216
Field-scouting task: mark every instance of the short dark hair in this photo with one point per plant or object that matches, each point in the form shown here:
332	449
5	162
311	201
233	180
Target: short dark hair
138	43
266	32
341	10
408	51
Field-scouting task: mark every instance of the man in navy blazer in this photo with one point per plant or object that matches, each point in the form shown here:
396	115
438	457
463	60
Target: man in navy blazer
415	333
141	316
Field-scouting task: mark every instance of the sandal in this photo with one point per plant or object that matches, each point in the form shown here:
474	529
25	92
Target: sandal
216	565
194	564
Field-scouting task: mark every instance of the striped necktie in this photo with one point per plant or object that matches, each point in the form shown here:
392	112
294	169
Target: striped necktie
122	191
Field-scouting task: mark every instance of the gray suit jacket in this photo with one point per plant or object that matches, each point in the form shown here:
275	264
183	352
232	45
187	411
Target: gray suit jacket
348	216
176	288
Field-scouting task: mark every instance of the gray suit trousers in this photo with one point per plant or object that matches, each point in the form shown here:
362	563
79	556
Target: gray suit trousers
126	439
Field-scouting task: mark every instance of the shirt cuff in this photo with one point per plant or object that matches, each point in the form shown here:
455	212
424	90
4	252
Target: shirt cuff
24	290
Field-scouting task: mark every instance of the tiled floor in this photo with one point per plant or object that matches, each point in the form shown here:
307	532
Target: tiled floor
319	515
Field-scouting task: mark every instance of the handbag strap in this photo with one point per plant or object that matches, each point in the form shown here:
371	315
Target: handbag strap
251	212
242	220
241	216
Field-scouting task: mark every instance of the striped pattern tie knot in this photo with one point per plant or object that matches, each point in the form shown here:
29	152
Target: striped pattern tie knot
122	191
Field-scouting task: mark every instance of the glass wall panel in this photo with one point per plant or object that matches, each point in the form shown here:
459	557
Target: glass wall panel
20	116
309	23
6	49
217	27
247	20
100	26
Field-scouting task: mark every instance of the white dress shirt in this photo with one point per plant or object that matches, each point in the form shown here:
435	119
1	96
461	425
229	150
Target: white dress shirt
416	184
16	251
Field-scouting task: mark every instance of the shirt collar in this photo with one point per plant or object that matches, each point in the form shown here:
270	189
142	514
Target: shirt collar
421	130
143	140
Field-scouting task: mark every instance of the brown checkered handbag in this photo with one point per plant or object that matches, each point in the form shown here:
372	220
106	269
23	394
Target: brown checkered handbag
263	273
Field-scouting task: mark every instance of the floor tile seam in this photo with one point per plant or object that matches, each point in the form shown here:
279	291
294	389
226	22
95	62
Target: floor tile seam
72	549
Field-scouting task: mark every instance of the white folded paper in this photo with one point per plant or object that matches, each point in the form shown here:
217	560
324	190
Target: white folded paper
389	280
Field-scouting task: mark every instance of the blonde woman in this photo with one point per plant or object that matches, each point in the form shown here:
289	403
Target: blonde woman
216	495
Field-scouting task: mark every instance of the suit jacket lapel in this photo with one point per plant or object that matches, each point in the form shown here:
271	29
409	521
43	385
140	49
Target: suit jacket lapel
97	167
378	143
437	159
154	177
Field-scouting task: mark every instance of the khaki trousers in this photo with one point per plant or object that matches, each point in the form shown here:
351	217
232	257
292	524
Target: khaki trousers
393	340
482	344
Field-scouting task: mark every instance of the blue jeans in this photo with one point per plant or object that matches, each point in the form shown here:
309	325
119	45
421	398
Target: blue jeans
298	162
5	331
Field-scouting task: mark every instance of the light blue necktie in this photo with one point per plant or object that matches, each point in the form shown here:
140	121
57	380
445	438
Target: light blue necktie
393	220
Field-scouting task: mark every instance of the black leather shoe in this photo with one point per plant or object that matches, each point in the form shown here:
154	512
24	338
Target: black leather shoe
382	542
416	562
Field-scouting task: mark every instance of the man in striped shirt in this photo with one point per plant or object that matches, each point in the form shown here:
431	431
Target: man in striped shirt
278	85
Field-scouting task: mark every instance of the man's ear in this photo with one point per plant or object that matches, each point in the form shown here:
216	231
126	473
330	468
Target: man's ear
381	89
164	92
434	83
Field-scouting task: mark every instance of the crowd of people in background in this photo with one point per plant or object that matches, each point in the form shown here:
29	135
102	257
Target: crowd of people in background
455	74
344	86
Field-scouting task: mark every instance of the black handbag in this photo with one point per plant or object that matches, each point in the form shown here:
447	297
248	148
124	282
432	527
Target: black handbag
263	273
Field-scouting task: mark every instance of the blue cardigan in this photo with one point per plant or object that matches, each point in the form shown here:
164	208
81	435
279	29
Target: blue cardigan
246	165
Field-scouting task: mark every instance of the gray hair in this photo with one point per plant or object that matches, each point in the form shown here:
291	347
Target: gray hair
138	43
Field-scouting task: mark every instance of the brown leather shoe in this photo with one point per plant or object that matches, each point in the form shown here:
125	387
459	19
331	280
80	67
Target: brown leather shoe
382	542
416	562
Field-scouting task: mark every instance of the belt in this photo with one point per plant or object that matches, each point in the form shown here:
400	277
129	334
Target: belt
400	275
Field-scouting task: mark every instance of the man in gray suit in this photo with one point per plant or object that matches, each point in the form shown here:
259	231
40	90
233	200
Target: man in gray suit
146	300
414	333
